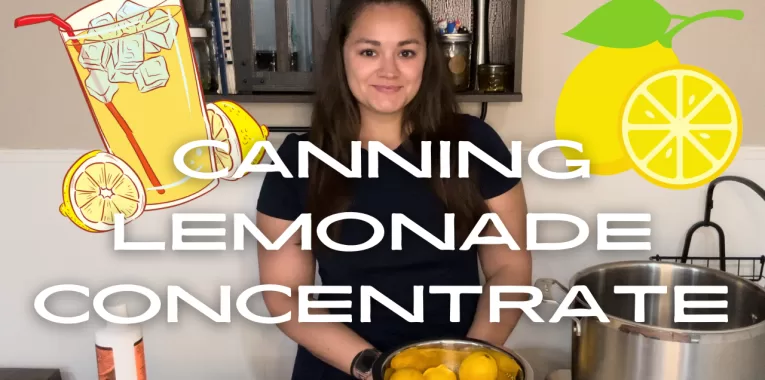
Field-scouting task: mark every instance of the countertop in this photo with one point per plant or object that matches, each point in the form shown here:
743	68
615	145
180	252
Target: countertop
562	374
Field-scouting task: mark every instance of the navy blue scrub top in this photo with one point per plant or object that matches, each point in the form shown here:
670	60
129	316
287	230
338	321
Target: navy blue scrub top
393	273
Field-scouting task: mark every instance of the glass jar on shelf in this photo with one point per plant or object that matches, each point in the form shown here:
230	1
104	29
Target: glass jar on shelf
205	59
457	48
493	78
198	12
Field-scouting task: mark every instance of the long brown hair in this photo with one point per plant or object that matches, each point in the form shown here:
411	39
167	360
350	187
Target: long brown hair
431	115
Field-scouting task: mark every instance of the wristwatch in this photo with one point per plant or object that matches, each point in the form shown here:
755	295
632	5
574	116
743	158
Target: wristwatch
361	366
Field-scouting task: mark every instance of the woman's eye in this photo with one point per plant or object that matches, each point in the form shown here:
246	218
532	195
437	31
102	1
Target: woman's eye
408	53
367	53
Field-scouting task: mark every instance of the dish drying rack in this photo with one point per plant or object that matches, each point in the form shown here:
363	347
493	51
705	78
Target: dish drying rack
750	268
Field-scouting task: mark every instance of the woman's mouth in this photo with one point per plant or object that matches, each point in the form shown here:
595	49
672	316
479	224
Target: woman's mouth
387	89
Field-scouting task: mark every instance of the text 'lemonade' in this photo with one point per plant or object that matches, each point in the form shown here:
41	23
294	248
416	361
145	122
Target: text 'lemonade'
135	66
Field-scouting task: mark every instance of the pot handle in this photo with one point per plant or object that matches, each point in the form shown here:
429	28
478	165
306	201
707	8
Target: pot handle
546	285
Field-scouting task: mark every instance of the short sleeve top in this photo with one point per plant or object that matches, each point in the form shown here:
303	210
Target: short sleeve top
394	273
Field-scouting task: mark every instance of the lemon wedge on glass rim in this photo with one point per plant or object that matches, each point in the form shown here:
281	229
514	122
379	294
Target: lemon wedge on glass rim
681	127
234	126
98	186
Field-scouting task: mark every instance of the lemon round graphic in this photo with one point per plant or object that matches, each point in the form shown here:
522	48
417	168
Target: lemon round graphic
681	127
478	366
98	186
234	126
441	372
407	374
590	104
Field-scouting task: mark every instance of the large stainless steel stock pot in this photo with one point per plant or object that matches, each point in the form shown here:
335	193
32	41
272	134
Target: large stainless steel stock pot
660	348
451	353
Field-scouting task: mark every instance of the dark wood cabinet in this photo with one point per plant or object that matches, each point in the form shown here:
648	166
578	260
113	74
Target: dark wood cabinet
277	46
29	374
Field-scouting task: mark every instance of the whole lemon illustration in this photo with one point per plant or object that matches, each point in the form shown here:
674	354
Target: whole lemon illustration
478	366
590	104
407	374
634	41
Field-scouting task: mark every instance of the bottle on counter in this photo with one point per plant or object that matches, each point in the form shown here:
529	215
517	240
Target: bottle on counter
119	349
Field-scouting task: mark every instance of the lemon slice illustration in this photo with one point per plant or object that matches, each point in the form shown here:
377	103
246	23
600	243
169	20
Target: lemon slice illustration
681	127
233	125
98	186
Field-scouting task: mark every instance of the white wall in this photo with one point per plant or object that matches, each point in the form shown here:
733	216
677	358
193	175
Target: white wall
41	248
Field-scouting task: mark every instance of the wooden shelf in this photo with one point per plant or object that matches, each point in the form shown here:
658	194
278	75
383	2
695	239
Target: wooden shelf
278	97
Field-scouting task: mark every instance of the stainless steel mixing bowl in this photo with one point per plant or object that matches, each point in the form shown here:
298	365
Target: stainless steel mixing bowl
452	362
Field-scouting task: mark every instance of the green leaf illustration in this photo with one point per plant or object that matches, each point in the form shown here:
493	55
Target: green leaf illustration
623	24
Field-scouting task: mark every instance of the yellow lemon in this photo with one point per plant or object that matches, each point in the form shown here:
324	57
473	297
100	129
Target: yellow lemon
235	127
98	186
408	358
478	366
590	105
407	374
441	372
506	364
681	127
415	358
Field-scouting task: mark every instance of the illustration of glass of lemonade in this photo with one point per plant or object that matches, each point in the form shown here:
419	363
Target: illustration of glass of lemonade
136	68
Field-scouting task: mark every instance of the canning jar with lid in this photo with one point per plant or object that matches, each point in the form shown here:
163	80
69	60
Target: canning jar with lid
457	48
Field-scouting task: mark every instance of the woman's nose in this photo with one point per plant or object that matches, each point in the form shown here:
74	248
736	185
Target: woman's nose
388	66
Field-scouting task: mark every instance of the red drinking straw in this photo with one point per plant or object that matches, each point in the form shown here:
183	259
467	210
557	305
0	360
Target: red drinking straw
49	17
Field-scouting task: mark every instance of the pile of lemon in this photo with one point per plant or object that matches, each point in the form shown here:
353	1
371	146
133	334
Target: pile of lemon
437	364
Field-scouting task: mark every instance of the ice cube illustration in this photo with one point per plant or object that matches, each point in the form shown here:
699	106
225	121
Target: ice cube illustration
119	76
95	55
163	34
130	9
100	87
149	47
152	74
128	53
104	27
132	16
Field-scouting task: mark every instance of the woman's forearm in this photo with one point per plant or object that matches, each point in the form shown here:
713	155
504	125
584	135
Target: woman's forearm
332	342
497	333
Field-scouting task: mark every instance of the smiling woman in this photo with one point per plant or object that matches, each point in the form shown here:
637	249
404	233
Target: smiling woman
384	79
385	60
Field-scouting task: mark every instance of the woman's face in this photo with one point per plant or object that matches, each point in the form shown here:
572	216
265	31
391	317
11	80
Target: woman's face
384	57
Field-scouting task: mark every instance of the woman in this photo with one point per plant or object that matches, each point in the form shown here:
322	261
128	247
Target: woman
384	79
